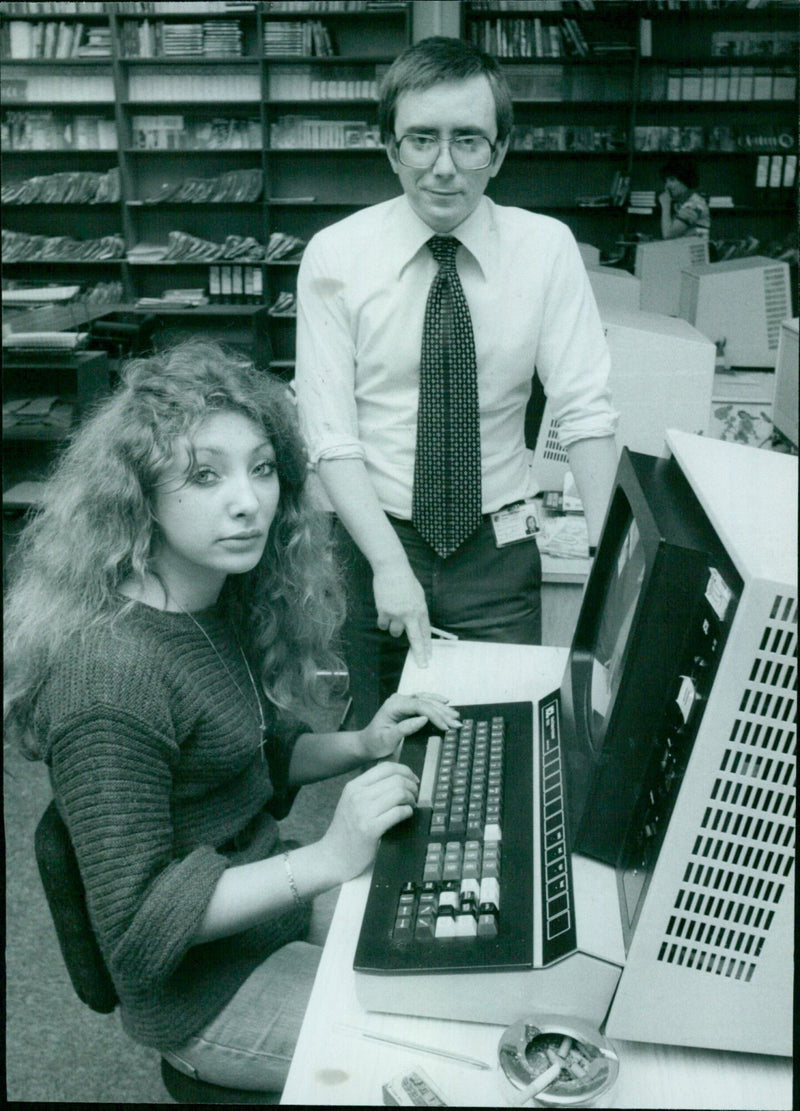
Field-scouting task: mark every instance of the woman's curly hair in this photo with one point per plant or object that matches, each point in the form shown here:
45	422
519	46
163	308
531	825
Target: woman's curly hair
94	529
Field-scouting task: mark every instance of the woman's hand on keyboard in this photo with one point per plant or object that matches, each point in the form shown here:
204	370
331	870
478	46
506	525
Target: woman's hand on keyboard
370	804
400	716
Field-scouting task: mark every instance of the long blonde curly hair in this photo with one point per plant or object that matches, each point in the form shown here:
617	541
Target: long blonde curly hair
95	528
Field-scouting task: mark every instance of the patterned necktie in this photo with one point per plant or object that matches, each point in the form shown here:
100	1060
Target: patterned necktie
446	503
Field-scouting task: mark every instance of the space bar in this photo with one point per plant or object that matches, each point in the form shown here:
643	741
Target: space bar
427	782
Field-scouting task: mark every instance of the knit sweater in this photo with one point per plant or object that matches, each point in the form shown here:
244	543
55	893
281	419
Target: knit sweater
152	739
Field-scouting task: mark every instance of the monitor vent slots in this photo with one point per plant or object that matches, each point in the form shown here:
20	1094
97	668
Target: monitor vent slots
744	851
776	299
698	253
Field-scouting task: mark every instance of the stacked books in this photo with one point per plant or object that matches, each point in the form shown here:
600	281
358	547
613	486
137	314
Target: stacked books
222	37
642	200
308	38
182	40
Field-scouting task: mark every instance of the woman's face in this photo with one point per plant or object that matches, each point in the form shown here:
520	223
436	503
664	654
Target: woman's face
214	506
675	187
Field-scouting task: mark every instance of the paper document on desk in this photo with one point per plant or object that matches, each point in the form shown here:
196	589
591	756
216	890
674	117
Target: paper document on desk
565	537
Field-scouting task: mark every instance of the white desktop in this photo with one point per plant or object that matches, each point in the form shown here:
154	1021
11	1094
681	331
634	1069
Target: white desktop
659	266
662	376
673	1002
739	305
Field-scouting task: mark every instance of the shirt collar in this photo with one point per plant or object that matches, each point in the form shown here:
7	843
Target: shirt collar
409	234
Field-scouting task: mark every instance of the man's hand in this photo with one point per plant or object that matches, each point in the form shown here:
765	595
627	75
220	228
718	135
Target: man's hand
400	716
401	606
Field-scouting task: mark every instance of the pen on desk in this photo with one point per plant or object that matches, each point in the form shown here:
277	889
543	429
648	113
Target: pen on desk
473	1062
441	634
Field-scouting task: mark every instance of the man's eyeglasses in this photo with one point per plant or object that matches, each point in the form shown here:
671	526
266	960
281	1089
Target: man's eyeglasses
469	152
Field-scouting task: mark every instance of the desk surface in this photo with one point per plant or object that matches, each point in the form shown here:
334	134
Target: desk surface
335	1066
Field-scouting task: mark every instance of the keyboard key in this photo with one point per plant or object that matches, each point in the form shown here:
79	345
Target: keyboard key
403	929
425	929
427	781
445	923
487	920
470	887
465	925
490	891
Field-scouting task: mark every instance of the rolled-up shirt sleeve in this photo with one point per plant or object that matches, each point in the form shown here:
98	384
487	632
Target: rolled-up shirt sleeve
325	363
572	358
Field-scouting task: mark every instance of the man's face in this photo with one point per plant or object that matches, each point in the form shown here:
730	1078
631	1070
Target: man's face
442	195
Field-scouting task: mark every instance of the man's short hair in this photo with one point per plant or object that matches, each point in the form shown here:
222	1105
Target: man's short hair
684	168
433	61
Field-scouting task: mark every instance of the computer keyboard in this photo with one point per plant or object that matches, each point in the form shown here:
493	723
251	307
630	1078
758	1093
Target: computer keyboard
479	877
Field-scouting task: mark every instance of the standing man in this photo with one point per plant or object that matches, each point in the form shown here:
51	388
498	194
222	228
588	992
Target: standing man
420	323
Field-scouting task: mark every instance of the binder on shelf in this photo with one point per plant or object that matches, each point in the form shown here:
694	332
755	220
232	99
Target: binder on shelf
237	285
226	284
775	171
214	286
762	171
789	171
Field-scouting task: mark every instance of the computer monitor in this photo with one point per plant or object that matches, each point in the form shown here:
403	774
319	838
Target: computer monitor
672	730
785	400
662	376
679	733
614	288
739	305
590	254
658	266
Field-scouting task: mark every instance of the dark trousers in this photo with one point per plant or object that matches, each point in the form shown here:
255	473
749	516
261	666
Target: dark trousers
480	592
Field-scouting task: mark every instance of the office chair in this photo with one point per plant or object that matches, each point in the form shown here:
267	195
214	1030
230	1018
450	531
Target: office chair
66	898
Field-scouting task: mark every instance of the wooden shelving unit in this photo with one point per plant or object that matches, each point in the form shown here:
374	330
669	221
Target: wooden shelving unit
635	54
301	191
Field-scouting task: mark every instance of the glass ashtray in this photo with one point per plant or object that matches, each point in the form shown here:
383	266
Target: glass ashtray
559	1062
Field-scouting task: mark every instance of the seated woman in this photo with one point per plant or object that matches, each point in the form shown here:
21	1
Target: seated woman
173	604
684	210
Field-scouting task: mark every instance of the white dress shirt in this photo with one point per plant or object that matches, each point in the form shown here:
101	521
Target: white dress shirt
362	290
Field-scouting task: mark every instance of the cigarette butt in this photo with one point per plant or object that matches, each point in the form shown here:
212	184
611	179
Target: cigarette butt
542	1081
565	1047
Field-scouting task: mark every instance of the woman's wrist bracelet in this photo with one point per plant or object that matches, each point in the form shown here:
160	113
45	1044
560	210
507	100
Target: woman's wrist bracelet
292	885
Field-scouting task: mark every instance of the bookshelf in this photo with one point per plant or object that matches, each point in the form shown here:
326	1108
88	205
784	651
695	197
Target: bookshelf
230	132
604	90
216	133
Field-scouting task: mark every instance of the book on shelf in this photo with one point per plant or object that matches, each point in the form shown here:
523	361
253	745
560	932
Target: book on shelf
719	83
194	86
754	44
58	88
310	83
565	137
303	132
176	132
310	37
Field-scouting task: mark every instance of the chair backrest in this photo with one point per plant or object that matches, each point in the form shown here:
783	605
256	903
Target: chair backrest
66	898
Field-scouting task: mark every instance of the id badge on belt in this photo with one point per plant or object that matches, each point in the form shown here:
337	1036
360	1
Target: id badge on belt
516	522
